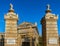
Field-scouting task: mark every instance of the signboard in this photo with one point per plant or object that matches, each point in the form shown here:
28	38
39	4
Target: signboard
10	41
52	41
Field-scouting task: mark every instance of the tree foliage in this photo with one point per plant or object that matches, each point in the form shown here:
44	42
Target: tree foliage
40	41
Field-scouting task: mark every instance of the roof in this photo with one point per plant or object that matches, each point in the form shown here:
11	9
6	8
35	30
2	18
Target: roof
26	24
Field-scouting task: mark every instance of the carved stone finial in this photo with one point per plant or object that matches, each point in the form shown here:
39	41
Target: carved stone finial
48	9
36	23
11	6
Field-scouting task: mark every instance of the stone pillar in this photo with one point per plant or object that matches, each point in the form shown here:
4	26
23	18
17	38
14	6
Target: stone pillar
30	41
50	29
11	35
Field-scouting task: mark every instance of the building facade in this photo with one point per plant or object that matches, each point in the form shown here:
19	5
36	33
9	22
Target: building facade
26	34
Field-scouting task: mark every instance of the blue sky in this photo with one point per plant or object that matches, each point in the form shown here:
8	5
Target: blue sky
29	11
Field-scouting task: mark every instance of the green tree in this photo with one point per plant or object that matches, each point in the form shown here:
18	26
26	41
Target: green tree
40	41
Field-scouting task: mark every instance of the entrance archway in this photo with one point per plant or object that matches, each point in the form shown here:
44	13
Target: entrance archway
25	43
